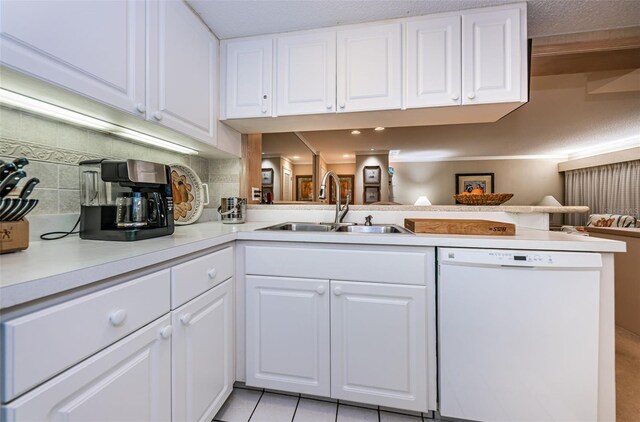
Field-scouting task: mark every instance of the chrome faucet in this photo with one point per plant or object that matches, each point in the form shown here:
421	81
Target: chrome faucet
340	211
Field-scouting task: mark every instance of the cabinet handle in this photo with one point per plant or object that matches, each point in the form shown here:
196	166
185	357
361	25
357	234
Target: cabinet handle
212	273
117	318
455	97
264	104
342	106
157	115
329	106
337	291
471	95
166	332
185	319
141	108
320	290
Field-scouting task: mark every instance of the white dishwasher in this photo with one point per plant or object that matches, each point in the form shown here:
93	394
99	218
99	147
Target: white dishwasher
518	334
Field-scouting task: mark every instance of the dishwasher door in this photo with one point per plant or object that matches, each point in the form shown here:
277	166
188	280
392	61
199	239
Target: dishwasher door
518	335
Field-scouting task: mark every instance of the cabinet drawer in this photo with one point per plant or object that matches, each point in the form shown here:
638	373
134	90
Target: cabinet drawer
40	345
195	277
400	266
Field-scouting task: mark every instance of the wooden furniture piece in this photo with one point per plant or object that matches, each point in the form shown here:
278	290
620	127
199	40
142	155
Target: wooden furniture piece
457	226
627	282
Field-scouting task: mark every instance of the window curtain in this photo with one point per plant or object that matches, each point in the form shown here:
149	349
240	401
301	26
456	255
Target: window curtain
610	189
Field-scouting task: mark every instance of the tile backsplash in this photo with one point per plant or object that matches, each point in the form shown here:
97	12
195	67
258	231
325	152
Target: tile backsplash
54	150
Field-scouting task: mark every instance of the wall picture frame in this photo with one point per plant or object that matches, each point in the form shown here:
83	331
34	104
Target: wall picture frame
304	188
371	175
466	182
346	188
267	177
371	194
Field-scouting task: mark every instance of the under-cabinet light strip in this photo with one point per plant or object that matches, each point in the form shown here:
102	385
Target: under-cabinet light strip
22	102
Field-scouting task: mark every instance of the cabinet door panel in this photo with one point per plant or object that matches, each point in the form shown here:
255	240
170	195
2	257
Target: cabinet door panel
288	334
129	381
182	70
96	49
493	48
370	68
378	347
203	354
248	75
306	72
433	60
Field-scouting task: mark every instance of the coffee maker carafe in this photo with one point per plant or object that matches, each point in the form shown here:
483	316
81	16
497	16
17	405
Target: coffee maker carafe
125	200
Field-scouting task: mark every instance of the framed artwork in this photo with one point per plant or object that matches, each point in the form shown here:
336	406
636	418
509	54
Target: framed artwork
371	194
267	177
346	187
466	182
304	188
371	175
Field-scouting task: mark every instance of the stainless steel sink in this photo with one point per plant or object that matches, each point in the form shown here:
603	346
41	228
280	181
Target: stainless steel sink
377	229
339	228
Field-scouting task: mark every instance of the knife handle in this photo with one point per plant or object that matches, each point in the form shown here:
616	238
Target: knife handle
28	188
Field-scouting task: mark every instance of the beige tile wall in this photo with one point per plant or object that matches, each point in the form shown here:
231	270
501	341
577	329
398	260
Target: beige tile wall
54	150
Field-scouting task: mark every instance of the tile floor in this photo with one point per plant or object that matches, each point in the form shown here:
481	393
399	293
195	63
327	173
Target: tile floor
247	404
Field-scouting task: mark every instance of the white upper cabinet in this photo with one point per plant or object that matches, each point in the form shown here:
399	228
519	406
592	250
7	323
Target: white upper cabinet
249	78
494	55
306	74
378	347
370	68
96	49
183	56
433	62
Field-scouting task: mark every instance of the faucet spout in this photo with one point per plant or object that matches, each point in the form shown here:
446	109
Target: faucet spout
340	211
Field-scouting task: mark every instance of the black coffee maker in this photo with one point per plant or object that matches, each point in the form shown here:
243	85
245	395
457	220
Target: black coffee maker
125	200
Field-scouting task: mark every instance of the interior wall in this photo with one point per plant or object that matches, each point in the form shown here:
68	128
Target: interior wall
362	161
528	180
345	168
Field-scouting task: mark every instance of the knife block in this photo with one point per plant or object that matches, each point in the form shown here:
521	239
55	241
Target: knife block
14	236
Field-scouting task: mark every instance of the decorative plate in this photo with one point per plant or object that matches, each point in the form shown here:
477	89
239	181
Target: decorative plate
189	194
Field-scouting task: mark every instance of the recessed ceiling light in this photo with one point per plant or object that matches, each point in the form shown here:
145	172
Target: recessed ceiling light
379	129
355	132
372	149
295	157
345	156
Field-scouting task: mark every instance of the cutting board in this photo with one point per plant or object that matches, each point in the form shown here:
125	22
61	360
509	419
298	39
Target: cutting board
453	226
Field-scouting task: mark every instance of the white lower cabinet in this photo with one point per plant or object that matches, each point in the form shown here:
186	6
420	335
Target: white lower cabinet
288	344
203	354
378	344
128	381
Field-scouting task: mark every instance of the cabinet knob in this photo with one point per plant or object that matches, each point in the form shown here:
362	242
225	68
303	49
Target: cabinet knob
329	106
455	96
337	291
320	290
212	273
117	318
141	108
471	95
157	115
186	318
166	332
341	105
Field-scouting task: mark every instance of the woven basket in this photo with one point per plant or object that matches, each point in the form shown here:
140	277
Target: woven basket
484	199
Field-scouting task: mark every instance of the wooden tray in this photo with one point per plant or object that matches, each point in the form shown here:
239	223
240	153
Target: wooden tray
14	236
458	226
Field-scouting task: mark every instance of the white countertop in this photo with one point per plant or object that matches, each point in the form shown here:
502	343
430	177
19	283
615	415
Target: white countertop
50	267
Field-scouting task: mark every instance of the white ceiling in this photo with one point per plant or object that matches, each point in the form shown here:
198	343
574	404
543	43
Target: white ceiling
560	119
239	18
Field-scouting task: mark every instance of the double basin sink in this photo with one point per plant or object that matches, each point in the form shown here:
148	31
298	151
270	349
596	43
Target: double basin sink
339	228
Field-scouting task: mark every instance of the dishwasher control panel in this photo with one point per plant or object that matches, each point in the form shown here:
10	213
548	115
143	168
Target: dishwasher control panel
518	258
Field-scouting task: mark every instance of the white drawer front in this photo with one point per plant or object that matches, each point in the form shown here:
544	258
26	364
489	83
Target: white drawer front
42	344
195	277
375	265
